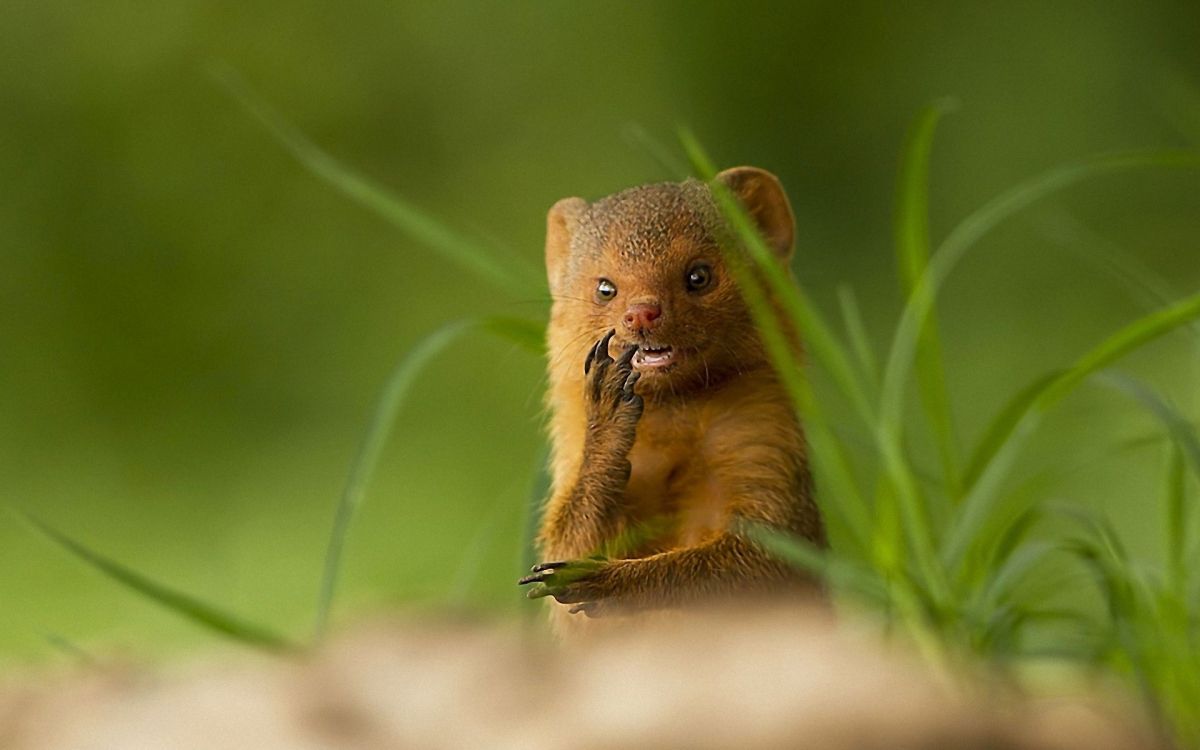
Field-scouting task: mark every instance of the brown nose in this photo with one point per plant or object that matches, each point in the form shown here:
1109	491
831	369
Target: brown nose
640	317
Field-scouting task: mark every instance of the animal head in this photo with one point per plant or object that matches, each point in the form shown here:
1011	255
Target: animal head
648	263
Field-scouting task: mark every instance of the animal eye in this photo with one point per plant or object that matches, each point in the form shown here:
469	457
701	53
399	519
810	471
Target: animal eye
699	277
605	290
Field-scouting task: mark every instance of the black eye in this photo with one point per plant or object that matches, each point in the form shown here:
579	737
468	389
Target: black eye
699	277
605	290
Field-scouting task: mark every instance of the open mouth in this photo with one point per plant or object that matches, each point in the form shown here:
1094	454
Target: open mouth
653	357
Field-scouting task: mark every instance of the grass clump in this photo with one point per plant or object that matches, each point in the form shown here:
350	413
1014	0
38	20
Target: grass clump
943	559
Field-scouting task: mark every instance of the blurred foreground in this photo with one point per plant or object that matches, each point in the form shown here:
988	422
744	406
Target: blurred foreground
783	678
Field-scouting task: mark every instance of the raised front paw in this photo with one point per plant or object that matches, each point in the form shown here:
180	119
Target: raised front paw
608	390
577	582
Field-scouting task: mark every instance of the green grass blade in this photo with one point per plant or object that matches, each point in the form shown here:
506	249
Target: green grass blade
474	552
1137	334
912	195
839	571
184	605
770	325
912	251
1178	426
1101	551
969	231
1143	284
530	335
469	255
856	330
1185	450
395	392
1003	424
1175	521
819	337
838	482
917	310
784	290
1024	560
1016	423
671	164
755	295
70	648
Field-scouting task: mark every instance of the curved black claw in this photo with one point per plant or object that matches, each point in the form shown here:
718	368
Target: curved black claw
561	579
542	571
599	352
626	360
630	381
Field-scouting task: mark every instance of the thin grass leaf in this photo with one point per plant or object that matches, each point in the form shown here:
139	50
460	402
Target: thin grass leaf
1008	576
1004	439
184	605
469	255
70	648
1003	425
1176	522
887	533
1143	284
1101	543
860	342
1185	450
1000	447
777	344
383	417
1178	426
846	503
775	340
912	251
530	335
920	303
843	573
915	518
641	138
1010	531
1014	536
818	335
474	553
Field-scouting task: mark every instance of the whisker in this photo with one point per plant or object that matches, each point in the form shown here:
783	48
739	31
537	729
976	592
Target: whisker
555	359
550	298
565	349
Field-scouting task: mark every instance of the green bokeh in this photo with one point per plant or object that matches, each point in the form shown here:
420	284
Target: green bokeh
193	329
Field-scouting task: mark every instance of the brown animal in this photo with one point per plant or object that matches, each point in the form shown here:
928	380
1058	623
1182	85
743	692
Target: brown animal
668	423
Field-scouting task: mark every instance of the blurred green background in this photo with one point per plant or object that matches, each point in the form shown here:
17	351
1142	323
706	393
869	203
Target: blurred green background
193	329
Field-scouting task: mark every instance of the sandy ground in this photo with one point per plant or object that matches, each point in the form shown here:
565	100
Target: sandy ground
723	680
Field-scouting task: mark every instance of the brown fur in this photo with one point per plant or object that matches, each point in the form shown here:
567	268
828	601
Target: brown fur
717	439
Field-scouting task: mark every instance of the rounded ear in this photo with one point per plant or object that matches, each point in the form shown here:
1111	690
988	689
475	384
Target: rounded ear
560	226
762	195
